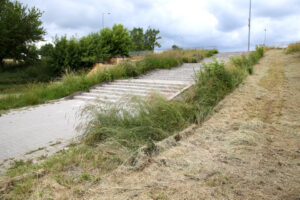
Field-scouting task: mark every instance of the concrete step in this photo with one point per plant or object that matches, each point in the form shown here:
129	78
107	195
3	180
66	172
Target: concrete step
144	85
139	88
109	92
113	95
130	90
166	82
90	98
123	89
154	81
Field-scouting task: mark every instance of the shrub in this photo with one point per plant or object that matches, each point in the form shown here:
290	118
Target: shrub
211	52
143	123
26	73
294	47
130	69
247	63
213	83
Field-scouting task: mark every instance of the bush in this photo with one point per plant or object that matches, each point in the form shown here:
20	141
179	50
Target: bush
26	73
211	52
130	69
143	123
294	47
247	63
213	83
75	54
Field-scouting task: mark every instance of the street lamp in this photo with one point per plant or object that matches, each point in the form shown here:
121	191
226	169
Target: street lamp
265	37
103	19
249	25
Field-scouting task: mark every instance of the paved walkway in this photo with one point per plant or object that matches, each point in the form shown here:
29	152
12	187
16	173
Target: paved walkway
37	130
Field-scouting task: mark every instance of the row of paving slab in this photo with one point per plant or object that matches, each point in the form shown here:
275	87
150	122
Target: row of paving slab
43	129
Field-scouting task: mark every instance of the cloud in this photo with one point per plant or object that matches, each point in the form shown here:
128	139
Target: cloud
276	9
189	23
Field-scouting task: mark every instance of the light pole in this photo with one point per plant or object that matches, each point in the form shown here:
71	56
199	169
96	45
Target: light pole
249	25
265	36
103	19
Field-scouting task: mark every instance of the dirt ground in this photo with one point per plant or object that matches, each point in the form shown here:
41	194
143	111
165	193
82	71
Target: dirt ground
248	149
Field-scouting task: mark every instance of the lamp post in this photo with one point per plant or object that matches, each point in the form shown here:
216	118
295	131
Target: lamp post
265	36
103	19
249	25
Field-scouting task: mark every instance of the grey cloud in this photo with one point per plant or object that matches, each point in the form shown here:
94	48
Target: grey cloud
229	31
230	21
231	14
276	9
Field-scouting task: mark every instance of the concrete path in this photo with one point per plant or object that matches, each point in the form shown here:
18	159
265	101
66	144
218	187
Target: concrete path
33	131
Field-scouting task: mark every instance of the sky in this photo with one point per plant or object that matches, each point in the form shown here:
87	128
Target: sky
222	24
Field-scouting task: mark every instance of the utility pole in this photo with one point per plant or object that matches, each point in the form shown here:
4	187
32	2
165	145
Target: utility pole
265	36
249	25
103	19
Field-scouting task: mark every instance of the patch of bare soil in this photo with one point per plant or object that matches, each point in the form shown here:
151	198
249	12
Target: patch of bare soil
248	149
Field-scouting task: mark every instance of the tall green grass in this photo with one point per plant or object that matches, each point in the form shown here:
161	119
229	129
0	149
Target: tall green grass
145	121
21	73
16	78
142	123
73	82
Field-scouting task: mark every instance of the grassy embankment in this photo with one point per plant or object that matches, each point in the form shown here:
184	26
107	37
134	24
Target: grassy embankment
294	47
37	93
16	78
111	138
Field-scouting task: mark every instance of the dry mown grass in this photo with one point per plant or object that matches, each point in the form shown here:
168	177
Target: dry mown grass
275	77
64	175
269	109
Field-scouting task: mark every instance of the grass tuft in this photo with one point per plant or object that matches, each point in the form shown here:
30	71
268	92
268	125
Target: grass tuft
145	121
294	47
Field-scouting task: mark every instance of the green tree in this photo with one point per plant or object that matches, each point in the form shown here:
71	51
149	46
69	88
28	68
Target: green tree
32	54
57	59
80	53
115	41
91	48
151	39
175	47
66	54
46	50
20	27
137	38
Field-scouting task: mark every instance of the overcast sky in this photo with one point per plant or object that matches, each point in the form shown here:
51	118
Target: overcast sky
186	23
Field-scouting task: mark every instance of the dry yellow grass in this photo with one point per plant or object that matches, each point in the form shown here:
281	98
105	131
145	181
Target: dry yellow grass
294	47
99	67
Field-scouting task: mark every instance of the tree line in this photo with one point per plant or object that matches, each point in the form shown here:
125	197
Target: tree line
76	53
21	27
